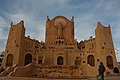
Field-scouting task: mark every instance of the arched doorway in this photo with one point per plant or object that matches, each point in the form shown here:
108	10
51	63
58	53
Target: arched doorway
9	61
28	59
91	60
109	62
40	59
60	60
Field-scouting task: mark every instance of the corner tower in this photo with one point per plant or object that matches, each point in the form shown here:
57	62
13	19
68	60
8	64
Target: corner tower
15	45
104	46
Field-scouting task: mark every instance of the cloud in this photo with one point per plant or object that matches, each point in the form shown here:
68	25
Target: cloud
3	28
117	51
85	26
33	26
2	21
1	50
87	13
2	45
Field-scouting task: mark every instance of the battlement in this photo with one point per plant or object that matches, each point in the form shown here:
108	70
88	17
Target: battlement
33	40
72	19
99	25
20	24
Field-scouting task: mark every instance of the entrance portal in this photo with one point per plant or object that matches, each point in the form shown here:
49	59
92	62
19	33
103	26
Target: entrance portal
91	60
60	60
28	59
109	62
9	61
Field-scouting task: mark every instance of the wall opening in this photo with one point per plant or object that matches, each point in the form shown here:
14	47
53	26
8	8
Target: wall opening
60	60
109	62
40	58
91	60
28	59
9	61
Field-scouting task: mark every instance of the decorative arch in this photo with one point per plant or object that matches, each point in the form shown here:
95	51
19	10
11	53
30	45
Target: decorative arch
60	60
109	60
28	59
91	60
9	61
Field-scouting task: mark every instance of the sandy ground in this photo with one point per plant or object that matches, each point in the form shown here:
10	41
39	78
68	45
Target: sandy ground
25	78
20	78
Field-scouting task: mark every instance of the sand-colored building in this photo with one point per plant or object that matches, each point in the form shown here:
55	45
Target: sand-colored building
60	55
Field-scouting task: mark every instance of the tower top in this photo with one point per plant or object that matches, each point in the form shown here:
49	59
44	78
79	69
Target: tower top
47	18
72	18
11	23
99	23
108	25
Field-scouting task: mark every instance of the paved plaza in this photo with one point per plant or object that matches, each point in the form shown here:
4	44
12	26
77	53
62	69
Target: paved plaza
107	78
25	78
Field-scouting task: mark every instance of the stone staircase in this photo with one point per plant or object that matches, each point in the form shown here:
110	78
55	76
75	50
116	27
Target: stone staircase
23	71
8	70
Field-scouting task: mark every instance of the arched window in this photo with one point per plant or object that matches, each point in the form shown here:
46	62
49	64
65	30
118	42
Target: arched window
40	58
28	59
60	60
91	60
109	62
9	61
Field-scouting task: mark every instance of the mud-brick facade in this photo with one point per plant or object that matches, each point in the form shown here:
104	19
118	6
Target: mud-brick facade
60	53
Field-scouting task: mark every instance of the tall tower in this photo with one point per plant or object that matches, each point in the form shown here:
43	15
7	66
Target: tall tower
104	46
15	45
61	48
